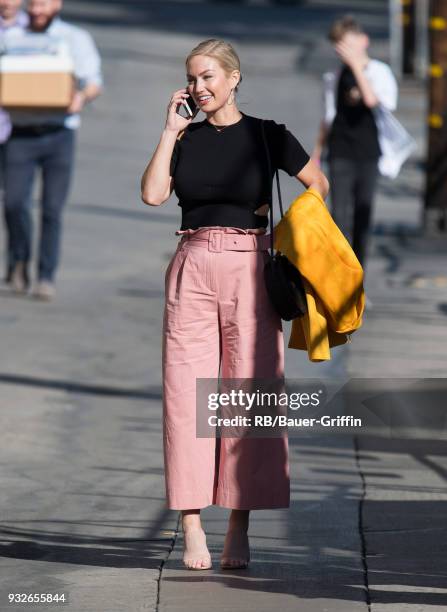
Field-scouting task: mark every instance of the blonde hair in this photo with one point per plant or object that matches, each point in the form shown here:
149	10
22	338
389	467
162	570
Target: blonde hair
222	51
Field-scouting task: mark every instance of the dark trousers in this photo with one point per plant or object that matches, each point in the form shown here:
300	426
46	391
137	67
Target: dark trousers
353	185
53	154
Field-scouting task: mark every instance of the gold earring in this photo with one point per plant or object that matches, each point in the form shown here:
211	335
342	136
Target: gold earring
231	97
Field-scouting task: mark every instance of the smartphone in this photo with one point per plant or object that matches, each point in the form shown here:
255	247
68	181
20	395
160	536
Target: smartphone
188	108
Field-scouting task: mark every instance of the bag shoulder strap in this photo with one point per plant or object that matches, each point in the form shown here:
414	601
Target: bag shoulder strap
278	186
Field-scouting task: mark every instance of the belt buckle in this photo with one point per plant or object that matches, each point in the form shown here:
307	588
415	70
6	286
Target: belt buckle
215	241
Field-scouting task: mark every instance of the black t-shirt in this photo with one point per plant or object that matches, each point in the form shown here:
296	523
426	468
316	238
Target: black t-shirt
221	177
353	134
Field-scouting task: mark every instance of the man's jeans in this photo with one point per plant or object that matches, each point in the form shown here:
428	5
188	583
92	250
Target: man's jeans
353	184
53	153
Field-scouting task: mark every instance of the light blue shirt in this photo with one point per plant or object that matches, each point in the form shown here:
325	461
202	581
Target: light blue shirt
87	70
18	26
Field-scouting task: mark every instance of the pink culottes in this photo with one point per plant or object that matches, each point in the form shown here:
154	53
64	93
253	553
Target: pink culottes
218	321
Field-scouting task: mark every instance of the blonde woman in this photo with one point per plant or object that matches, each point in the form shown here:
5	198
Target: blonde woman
218	319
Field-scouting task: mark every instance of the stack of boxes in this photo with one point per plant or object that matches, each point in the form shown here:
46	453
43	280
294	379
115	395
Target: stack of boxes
36	73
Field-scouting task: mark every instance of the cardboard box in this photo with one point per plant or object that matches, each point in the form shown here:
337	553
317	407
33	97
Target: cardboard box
36	81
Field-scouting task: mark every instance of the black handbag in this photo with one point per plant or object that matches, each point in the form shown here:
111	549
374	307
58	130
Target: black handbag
282	279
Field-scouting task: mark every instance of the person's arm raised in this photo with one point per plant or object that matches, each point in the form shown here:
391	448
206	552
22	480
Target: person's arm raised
156	182
350	57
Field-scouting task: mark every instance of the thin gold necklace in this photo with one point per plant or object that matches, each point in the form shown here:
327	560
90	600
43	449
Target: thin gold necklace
221	128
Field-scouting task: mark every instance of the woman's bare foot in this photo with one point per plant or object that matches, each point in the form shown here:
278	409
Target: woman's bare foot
196	555
236	551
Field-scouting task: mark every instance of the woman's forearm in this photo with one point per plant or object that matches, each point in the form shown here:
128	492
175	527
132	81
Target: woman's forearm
155	182
313	178
321	185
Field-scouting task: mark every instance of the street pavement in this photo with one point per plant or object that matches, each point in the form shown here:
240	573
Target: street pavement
80	378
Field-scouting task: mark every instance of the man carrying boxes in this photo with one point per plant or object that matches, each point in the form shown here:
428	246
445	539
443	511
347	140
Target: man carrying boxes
46	78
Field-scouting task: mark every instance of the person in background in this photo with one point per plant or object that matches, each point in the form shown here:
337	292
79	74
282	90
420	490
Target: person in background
46	141
12	20
350	132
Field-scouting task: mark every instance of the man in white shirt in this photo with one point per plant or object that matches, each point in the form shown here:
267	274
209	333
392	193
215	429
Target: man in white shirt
46	141
353	95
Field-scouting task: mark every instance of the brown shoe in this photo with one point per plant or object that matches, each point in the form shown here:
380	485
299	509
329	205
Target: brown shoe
45	291
19	278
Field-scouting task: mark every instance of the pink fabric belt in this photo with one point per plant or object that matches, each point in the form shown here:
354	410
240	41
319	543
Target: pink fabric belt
216	240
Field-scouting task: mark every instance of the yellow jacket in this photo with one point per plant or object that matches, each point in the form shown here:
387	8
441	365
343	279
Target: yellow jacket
332	275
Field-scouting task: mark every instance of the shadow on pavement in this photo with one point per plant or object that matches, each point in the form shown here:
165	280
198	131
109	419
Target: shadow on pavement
406	534
54	547
82	388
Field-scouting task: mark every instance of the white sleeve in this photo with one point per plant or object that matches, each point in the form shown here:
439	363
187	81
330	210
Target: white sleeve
384	85
87	60
329	106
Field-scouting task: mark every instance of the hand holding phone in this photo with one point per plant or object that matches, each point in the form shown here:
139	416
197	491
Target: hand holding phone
176	121
188	109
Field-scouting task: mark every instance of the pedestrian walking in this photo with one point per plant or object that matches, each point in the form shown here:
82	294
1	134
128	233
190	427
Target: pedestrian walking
217	316
354	93
13	20
46	141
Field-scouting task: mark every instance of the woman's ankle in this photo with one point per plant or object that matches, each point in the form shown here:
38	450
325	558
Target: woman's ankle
239	519
191	519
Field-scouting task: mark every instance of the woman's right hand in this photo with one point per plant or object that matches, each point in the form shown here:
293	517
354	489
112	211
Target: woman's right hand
174	121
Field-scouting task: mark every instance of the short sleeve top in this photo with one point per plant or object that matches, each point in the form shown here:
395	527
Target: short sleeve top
221	177
353	134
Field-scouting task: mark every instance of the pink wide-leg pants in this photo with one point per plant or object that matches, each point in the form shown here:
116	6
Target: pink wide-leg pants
218	321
